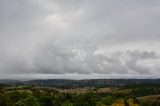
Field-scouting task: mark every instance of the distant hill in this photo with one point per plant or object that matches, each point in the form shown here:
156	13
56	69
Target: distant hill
65	83
6	81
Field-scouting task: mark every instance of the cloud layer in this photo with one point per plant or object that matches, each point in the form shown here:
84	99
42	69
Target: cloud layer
83	37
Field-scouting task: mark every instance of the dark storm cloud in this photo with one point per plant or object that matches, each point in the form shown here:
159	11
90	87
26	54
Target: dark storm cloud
79	37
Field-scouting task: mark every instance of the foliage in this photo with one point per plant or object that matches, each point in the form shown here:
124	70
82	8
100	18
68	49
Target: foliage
31	96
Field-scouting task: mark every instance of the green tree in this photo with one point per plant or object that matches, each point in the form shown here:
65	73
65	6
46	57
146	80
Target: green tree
29	101
46	101
107	100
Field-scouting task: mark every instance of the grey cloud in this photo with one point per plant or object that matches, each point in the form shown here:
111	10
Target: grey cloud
56	60
84	37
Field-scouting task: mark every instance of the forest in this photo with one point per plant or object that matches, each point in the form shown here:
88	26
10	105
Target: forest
143	94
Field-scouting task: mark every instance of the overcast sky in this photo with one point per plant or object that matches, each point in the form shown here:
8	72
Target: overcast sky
79	39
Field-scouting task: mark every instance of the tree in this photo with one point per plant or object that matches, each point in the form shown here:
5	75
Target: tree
46	101
107	100
125	102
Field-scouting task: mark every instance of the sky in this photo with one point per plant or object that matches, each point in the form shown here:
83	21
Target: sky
79	39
